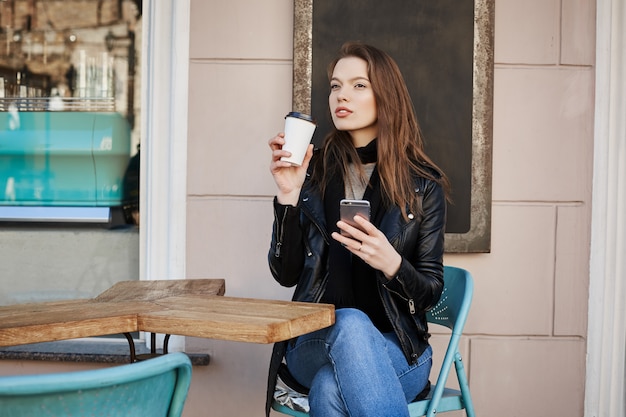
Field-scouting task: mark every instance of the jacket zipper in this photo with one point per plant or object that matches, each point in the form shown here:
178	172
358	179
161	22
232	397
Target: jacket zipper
410	349
410	302
279	234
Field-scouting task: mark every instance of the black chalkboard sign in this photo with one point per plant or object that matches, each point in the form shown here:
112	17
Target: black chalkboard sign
434	44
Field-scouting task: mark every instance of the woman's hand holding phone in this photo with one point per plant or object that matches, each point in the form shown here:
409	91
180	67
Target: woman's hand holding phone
367	242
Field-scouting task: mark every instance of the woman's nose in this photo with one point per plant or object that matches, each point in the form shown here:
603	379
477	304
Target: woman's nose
341	96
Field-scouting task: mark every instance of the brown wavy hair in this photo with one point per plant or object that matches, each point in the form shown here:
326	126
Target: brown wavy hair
400	145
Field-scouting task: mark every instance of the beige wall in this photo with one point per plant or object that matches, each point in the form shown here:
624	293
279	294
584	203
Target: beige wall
240	90
526	333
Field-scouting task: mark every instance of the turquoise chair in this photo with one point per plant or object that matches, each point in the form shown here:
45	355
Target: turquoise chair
155	387
451	311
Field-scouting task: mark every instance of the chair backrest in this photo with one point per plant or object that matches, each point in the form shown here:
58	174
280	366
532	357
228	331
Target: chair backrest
156	387
451	311
453	306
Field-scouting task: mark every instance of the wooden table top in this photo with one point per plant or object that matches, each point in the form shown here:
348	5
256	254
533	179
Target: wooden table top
154	290
193	307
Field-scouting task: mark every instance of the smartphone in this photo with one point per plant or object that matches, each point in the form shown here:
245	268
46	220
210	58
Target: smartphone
350	208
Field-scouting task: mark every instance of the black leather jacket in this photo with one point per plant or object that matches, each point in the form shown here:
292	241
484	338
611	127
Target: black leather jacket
299	252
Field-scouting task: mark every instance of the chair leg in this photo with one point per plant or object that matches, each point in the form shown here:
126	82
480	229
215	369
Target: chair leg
464	386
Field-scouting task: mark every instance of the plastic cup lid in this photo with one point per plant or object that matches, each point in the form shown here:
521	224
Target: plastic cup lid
302	116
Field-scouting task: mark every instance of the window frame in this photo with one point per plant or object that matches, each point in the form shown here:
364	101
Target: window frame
163	171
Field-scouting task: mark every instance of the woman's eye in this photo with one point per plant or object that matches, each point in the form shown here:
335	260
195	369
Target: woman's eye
360	85
334	86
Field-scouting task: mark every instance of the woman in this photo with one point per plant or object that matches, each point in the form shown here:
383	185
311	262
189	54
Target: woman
376	357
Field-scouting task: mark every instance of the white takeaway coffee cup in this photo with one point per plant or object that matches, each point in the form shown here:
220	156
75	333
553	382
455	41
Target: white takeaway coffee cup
299	130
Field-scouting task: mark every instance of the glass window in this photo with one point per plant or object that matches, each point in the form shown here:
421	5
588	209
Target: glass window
69	147
68	110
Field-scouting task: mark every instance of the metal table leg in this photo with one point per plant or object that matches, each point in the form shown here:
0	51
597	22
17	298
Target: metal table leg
153	351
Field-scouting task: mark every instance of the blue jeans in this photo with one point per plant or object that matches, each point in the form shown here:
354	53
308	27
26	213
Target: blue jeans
354	370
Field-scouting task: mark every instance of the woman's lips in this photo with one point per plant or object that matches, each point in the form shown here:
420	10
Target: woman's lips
342	112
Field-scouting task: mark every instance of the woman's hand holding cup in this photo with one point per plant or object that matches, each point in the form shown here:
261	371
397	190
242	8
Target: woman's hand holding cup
288	177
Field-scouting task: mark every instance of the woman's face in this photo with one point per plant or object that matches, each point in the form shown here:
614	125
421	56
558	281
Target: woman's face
351	101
